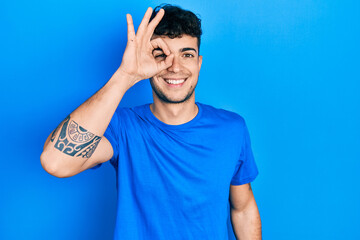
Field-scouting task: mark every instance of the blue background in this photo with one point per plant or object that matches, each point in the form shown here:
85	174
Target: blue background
290	68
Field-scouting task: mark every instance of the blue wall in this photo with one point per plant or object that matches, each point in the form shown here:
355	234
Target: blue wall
290	68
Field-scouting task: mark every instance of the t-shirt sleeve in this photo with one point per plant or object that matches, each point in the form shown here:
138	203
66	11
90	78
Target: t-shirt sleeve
246	170
112	134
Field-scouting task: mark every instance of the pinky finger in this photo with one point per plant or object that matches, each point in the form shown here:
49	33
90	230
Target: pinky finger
130	28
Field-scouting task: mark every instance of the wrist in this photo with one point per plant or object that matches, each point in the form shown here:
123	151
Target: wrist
129	75
124	79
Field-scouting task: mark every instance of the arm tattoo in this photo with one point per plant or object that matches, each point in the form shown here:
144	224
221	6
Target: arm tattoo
53	133
74	140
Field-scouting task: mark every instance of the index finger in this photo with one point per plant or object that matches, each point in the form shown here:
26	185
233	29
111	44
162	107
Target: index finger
159	44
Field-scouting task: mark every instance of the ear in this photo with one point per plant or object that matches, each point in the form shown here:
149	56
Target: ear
200	61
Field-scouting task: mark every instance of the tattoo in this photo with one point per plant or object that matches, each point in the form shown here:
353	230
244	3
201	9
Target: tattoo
249	187
74	140
53	133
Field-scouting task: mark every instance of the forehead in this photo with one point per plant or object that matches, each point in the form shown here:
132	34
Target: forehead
179	42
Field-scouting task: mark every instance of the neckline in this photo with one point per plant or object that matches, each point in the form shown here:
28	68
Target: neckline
179	126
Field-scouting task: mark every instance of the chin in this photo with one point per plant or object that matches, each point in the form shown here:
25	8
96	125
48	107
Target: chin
164	97
170	100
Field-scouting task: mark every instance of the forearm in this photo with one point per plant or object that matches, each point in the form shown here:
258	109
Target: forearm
96	112
246	223
90	120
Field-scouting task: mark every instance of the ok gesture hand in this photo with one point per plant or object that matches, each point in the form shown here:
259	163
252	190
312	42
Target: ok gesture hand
138	61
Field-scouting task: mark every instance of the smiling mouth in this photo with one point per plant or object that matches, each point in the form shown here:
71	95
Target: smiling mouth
175	81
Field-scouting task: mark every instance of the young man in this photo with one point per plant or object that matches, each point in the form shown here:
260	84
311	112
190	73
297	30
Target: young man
180	164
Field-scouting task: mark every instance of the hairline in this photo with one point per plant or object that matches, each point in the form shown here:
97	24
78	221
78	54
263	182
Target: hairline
154	36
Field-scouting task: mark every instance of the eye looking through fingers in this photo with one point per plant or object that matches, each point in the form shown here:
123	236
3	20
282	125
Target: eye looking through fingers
160	56
158	53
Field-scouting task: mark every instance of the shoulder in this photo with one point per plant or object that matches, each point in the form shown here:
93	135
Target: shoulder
223	115
122	112
122	116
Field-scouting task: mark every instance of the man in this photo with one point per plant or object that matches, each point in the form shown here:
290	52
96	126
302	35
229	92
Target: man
180	164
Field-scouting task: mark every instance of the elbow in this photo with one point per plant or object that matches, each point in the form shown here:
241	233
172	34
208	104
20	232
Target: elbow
234	210
52	166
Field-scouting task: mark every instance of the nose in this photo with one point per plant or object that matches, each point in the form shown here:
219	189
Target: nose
176	65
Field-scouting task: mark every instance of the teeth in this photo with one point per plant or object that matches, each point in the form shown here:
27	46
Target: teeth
170	81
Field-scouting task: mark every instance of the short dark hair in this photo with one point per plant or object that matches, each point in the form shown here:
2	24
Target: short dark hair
177	22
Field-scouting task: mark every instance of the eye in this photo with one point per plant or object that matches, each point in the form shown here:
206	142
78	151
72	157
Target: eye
188	55
161	56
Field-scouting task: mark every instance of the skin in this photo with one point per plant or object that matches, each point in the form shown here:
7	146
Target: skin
245	217
146	56
179	104
186	65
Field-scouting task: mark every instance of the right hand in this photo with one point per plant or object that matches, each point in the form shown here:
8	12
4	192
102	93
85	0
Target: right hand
138	61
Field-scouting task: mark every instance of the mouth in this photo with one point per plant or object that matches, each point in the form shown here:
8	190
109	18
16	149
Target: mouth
175	82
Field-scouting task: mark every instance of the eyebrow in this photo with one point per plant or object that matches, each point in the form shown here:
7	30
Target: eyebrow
181	50
188	49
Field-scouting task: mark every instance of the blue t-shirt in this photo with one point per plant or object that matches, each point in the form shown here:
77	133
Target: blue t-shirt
173	181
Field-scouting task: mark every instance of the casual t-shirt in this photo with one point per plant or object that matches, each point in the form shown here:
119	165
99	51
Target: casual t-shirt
173	181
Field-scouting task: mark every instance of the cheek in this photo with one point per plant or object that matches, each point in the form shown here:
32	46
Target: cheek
157	76
193	66
154	79
195	69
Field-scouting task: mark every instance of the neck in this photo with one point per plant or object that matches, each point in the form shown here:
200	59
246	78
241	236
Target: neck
174	113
